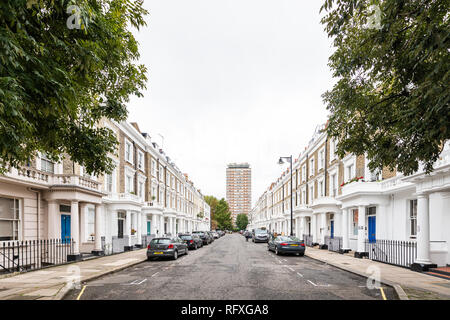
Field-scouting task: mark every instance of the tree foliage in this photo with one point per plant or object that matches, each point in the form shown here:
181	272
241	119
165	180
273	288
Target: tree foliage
391	98
56	83
242	221
220	212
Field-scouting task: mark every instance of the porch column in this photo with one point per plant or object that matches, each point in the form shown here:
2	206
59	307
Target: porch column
345	242
302	229
127	231
140	226
52	220
75	230
98	222
423	262
361	232
323	230
153	227
314	228
83	220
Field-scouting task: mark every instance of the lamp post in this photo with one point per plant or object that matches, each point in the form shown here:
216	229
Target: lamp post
281	161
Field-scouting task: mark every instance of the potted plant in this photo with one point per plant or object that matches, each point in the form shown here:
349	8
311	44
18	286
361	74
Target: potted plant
133	232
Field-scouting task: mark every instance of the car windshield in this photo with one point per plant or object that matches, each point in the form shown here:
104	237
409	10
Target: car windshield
295	239
186	237
259	231
160	241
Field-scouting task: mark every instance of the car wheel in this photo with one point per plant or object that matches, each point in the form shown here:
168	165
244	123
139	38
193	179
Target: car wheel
175	255
276	251
268	248
301	254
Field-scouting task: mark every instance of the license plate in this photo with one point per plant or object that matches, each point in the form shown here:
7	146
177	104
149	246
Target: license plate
157	252
294	245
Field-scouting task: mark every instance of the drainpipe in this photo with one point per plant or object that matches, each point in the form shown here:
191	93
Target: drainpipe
38	203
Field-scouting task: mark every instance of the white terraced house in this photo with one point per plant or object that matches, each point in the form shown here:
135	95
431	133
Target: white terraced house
341	205
54	212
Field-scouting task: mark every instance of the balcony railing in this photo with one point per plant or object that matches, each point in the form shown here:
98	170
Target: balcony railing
32	175
20	256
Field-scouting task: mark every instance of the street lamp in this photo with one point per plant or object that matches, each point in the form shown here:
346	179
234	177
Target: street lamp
281	161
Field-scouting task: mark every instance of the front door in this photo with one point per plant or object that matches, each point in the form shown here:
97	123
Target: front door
332	229
65	228
149	224
120	228
372	228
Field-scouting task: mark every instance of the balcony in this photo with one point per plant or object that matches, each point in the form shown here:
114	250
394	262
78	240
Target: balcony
124	197
44	179
361	187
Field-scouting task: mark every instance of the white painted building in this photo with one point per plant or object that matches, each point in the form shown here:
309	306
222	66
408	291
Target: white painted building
145	196
342	201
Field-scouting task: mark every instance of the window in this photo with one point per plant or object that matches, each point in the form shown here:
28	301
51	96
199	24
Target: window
9	219
128	151
304	196
333	185
355	222
321	159
129	184
140	161
161	172
304	173
91	224
332	150
311	194
350	171
46	164
109	182
141	190
153	168
321	189
311	167
413	218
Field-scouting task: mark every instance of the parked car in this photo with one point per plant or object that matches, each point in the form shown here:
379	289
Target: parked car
260	235
288	245
210	235
215	235
166	247
192	240
204	236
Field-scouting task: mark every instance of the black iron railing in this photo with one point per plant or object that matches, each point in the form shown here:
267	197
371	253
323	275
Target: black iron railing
20	256
395	252
308	240
333	243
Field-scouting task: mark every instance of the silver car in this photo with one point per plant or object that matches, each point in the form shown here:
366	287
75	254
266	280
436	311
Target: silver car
166	247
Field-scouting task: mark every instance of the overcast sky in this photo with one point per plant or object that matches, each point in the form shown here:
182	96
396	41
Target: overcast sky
232	81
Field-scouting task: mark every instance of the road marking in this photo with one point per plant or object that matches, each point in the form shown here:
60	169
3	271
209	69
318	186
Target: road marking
81	292
154	274
382	293
300	274
136	281
289	268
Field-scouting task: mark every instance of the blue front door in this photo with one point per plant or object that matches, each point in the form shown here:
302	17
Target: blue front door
65	228
372	228
149	224
332	228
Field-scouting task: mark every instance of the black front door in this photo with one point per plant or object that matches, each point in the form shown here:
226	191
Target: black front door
120	228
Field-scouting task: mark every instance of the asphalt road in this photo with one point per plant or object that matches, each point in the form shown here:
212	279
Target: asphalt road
231	269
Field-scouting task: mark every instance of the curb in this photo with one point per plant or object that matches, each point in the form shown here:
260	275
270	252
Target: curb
63	291
397	288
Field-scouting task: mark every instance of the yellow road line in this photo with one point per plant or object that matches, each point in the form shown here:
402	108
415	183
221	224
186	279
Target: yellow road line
382	293
81	292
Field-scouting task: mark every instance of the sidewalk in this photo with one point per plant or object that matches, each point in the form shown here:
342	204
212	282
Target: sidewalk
53	283
410	281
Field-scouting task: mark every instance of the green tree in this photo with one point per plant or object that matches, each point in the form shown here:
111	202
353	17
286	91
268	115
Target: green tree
223	215
392	64
60	73
242	221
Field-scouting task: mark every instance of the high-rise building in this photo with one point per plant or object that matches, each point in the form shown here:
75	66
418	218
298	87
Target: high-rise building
239	189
